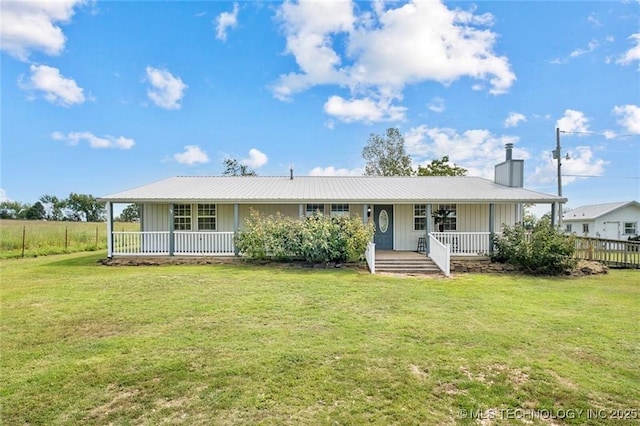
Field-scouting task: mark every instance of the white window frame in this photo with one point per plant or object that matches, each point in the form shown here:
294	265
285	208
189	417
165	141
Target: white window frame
568	227
585	228
630	228
422	209
207	212
340	210
312	208
182	217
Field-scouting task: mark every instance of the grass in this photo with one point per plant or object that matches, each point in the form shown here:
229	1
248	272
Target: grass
45	238
230	344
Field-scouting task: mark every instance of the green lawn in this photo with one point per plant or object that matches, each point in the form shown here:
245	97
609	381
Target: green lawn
92	344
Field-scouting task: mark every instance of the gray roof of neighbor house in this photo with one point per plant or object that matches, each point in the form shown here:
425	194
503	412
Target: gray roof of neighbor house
308	189
594	211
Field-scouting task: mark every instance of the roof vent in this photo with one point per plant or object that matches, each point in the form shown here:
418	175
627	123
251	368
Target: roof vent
291	172
509	151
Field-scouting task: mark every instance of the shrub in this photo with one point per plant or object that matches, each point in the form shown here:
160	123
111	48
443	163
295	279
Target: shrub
543	251
317	239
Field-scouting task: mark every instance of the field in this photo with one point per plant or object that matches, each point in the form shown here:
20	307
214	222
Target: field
43	238
232	344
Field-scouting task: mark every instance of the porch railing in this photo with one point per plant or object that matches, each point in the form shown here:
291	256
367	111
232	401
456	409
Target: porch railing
465	243
611	252
370	256
157	243
440	254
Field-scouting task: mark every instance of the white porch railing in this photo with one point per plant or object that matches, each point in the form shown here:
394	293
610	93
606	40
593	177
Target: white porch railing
370	255
203	243
148	243
465	243
440	254
157	243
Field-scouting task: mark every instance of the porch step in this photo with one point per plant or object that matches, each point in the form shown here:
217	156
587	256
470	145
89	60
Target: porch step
418	265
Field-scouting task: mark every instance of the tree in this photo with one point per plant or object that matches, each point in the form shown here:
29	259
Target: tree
441	168
53	206
386	156
83	206
13	209
234	168
131	213
36	212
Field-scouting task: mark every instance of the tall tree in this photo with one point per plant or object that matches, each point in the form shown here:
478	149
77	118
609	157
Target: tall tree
233	167
84	206
13	210
53	206
36	212
441	167
130	213
386	156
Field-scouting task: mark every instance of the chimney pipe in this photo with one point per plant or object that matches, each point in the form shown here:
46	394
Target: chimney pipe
291	172
509	151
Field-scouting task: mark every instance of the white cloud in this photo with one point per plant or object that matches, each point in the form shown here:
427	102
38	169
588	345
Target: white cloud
366	110
477	150
385	50
255	160
591	46
74	138
630	118
632	54
192	155
57	89
3	196
332	171
436	105
514	119
573	121
581	162
31	25
226	20
166	90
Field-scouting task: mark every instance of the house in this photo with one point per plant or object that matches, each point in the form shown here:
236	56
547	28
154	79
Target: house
613	221
199	215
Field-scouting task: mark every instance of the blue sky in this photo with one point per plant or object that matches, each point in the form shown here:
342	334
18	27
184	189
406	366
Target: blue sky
99	97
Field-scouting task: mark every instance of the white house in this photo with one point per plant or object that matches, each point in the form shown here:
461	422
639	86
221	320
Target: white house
199	215
613	221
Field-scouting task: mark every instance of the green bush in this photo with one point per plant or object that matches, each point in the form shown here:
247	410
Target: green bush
542	251
317	239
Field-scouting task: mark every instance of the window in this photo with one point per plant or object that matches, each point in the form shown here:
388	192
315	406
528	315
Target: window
182	217
449	223
313	208
630	228
585	228
206	217
568	227
339	210
419	217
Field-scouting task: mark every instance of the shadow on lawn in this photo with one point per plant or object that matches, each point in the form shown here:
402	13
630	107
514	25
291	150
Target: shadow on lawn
89	259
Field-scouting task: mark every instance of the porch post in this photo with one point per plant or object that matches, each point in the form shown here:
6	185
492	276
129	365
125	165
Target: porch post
109	229
492	230
428	228
365	219
236	225
300	211
171	241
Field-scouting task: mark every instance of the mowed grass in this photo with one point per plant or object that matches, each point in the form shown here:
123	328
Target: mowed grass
232	344
43	238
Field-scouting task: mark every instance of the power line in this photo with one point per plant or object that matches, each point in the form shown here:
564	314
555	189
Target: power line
606	135
607	177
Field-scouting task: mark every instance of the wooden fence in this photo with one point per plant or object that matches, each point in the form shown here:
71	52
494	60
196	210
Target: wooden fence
610	252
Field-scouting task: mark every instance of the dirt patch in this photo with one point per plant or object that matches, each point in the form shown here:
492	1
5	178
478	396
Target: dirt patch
420	373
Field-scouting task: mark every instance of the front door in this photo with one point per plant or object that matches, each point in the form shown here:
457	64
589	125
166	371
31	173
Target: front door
383	218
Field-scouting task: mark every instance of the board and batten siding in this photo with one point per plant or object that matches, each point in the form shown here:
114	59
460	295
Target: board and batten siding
469	218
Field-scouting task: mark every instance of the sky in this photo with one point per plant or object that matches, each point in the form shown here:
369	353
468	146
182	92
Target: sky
103	96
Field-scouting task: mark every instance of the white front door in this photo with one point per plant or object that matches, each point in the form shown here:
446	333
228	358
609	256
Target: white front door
612	230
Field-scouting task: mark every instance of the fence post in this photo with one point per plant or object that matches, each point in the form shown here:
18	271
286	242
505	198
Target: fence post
24	235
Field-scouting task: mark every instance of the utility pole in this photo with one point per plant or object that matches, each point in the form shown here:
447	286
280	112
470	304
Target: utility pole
558	156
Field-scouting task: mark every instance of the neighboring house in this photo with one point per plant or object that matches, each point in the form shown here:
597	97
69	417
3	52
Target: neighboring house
198	215
612	221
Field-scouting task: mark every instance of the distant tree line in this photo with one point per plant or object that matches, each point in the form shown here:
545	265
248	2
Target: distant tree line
75	208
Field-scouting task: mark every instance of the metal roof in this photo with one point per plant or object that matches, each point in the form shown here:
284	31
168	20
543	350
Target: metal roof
594	211
307	189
